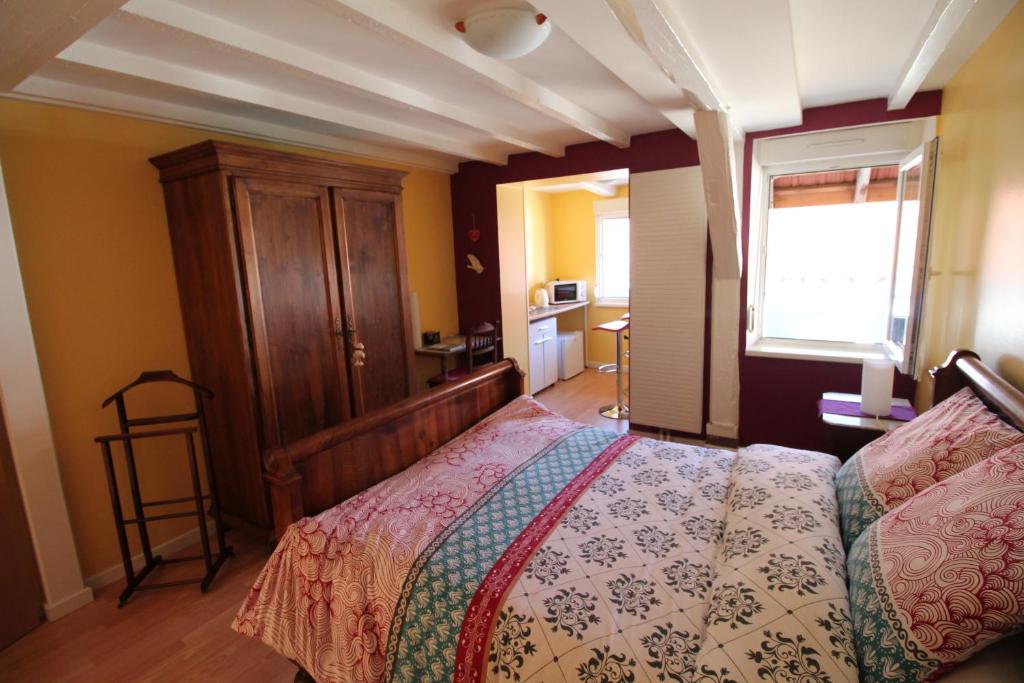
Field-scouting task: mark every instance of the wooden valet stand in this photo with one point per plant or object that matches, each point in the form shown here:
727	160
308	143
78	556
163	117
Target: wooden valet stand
126	437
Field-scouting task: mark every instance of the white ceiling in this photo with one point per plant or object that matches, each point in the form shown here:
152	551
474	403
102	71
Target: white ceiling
391	79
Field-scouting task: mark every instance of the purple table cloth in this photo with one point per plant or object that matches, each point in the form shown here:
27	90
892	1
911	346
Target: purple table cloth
852	408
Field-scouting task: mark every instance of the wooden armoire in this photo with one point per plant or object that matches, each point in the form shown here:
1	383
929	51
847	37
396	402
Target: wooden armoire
292	279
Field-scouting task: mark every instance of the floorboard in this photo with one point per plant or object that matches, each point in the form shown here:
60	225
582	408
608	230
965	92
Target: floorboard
174	634
580	397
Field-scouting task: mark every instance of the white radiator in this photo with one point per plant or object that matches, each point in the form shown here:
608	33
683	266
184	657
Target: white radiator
667	271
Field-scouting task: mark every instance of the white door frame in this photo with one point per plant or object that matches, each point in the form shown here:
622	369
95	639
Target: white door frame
28	427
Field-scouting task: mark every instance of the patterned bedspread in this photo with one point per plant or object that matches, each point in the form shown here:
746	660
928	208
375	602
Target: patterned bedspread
535	548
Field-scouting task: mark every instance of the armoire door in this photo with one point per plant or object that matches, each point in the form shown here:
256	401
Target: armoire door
20	592
371	253
287	240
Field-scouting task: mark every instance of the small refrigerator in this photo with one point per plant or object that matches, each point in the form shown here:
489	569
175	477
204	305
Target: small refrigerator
570	354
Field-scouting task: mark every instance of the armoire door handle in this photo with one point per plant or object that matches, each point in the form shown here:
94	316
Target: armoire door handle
358	355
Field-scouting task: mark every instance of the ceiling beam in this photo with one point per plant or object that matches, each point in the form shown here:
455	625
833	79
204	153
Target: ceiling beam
42	88
672	50
600	189
654	30
35	32
129	64
398	24
940	28
597	29
275	52
860	187
717	171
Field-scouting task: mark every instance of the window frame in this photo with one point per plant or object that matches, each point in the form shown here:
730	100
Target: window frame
884	144
605	209
906	353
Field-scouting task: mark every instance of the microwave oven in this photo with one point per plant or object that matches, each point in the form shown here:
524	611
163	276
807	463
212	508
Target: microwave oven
566	291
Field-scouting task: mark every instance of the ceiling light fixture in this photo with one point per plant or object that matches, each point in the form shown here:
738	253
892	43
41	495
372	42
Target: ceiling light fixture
505	32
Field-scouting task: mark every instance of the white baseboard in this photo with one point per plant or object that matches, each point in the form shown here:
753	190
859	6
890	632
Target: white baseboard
168	547
594	364
68	604
722	430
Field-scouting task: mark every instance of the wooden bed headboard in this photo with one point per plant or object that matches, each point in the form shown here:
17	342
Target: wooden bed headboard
323	469
963	368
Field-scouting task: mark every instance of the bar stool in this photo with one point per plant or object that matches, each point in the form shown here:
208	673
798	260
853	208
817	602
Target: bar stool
618	410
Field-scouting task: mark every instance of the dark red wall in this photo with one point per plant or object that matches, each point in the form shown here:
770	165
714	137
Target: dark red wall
778	397
474	200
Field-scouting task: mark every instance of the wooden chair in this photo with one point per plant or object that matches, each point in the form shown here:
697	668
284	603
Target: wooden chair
482	343
481	350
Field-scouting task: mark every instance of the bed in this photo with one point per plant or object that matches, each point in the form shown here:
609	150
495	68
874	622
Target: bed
483	537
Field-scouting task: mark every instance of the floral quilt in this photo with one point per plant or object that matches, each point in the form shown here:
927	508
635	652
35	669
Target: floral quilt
535	548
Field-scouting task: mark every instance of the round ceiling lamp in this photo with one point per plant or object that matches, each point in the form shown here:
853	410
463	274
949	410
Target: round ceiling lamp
505	32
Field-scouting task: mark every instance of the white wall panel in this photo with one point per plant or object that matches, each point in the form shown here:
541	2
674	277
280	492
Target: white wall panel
668	252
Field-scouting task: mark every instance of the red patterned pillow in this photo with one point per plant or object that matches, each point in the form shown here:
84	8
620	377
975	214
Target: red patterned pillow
942	576
955	434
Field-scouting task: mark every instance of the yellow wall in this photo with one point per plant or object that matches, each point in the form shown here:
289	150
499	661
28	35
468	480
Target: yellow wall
573	256
976	292
512	250
95	256
537	210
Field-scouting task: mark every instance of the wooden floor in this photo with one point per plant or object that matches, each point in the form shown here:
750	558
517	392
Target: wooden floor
179	634
580	397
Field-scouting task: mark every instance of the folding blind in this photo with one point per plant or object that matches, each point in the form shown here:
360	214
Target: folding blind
668	251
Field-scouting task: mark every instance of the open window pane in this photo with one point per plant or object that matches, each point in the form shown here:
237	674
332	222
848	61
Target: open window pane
916	182
829	255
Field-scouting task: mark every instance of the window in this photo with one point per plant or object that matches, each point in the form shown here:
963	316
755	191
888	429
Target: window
829	254
612	282
916	188
838	243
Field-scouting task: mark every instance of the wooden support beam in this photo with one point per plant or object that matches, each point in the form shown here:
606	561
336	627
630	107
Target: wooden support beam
717	168
273	52
395	22
34	32
673	51
43	88
129	64
860	187
600	189
940	28
596	28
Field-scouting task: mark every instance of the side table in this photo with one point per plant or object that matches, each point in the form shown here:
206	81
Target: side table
847	433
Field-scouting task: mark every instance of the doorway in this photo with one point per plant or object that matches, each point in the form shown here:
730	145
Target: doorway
662	244
21	592
549	231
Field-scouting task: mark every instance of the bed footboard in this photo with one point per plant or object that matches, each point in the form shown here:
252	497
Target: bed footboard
323	469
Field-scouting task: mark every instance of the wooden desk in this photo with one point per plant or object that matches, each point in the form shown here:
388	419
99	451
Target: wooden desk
456	347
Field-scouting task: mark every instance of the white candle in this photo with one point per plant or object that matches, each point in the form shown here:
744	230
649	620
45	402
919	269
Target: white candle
876	387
